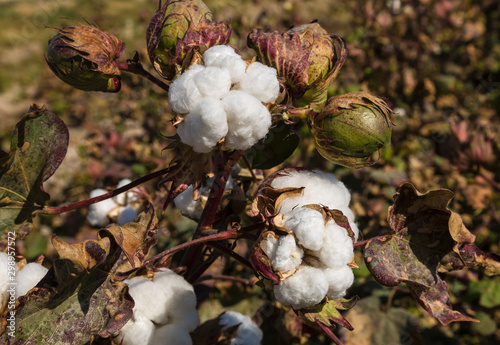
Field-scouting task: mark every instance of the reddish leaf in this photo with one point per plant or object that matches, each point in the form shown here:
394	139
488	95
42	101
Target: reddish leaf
425	234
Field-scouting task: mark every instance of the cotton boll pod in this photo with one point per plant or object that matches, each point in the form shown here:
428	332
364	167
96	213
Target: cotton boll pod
84	57
306	56
351	128
177	29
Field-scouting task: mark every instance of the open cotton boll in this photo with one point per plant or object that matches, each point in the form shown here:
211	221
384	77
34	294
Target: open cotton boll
98	212
305	288
225	57
308	226
170	334
261	81
180	298
248	332
337	248
138	330
269	245
183	93
205	125
288	255
126	215
339	280
248	120
213	82
149	299
4	269
187	205
28	277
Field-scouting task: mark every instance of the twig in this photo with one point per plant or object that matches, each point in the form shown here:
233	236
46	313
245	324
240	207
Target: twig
329	333
135	67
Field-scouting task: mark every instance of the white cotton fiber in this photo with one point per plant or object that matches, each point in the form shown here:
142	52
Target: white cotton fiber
183	93
28	277
288	255
98	212
339	280
261	82
149	298
205	125
126	215
248	332
306	288
337	248
4	281
138	330
213	82
170	334
248	120
187	205
346	211
308	226
269	246
225	57
320	188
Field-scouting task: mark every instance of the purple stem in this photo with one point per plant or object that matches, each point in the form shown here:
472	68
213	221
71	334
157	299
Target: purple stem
136	68
70	207
329	333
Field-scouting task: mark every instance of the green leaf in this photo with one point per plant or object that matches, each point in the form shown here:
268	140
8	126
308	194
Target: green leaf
278	145
38	146
425	232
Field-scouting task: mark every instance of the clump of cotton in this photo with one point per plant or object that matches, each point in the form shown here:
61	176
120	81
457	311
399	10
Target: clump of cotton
121	207
248	332
224	76
308	226
339	280
164	311
28	277
205	126
248	120
261	82
337	250
305	288
288	256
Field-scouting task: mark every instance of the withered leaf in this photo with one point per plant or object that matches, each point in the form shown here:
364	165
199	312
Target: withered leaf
425	232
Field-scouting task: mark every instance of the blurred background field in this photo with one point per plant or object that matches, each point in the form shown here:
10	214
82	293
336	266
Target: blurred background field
436	62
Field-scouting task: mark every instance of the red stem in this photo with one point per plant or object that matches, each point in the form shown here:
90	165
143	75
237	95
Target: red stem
361	243
70	207
136	68
329	333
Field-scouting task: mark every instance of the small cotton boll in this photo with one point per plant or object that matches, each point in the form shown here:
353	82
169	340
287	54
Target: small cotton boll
213	82
212	55
261	82
308	226
288	255
248	120
269	245
28	277
170	334
204	126
225	57
339	280
149	298
138	330
126	215
98	212
337	248
187	205
183	93
248	332
180	298
306	288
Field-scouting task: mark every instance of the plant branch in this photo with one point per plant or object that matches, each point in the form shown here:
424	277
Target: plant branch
70	207
329	333
135	67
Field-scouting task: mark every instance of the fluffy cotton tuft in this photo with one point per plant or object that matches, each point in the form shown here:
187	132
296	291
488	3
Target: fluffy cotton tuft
288	255
213	82
248	332
138	330
205	125
307	287
225	57
337	249
248	120
261	82
339	280
28	277
183	93
308	226
98	212
126	215
269	245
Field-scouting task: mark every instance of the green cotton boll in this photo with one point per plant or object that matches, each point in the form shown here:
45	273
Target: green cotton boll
351	128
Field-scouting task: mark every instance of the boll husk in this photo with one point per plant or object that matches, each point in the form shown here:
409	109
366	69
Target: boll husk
84	57
177	29
351	128
306	56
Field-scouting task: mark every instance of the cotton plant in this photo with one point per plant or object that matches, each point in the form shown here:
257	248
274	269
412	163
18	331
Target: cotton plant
25	279
309	243
122	208
223	101
164	311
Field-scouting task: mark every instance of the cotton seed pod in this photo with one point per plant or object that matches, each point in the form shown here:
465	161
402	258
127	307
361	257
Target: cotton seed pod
306	56
177	29
351	128
84	57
